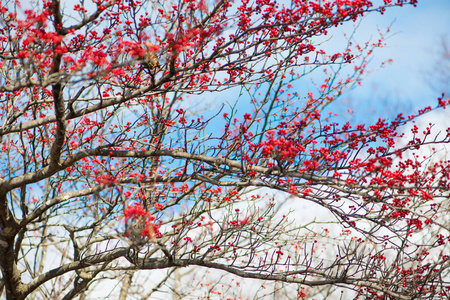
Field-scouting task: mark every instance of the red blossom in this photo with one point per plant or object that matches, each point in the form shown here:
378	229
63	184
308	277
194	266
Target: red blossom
106	179
137	217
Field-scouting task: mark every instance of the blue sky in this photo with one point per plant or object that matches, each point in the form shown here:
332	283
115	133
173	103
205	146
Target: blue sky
414	45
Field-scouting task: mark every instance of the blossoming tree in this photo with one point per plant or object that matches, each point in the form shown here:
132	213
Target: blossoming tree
143	140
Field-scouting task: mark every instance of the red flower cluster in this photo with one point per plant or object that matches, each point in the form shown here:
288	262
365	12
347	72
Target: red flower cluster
106	179
282	148
136	218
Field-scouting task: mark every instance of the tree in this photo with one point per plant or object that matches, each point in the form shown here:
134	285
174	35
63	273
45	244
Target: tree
441	66
117	163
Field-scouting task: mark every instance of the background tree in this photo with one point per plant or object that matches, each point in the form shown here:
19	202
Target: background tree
442	67
119	168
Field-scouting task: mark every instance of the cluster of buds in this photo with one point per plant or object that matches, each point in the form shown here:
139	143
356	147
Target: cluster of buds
139	228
